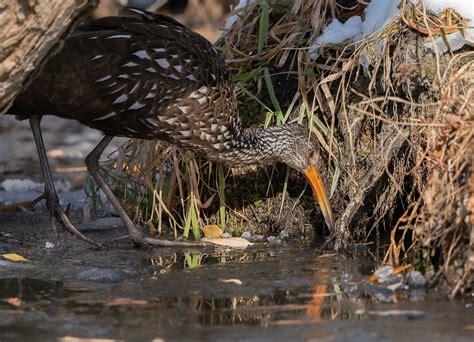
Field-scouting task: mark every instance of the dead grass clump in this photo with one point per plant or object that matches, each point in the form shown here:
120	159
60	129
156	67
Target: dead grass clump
445	228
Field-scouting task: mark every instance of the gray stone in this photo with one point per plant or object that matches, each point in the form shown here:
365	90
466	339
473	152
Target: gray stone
102	275
284	234
246	235
415	278
274	240
257	238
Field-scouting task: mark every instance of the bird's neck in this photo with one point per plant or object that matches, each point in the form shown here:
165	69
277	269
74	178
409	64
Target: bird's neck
252	146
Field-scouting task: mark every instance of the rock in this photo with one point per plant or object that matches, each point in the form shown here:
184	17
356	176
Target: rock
273	240
48	245
15	265
257	238
416	279
284	234
246	235
102	275
226	236
383	273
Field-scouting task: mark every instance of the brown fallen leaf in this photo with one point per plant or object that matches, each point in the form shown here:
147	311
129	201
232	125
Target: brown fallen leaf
14	206
85	339
234	242
14	257
15	301
125	301
212	231
234	281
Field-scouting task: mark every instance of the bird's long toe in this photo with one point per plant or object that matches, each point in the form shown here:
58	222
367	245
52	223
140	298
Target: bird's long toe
58	214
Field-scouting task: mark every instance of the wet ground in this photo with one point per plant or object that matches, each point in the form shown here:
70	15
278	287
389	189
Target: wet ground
285	292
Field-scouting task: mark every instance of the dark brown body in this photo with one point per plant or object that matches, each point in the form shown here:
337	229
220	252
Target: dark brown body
142	76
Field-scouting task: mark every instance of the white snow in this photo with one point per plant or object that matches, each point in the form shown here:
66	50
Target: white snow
380	13
456	40
337	32
465	8
25	185
233	18
48	245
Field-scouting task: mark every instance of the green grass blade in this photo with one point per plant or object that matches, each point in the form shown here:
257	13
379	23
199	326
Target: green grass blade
263	25
271	92
221	197
253	97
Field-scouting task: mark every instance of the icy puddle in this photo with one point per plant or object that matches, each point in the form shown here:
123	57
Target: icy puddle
286	293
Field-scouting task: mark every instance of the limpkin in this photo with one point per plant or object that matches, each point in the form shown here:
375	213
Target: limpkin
144	75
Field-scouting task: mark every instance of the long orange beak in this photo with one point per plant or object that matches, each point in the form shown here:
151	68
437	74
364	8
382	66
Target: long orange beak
314	179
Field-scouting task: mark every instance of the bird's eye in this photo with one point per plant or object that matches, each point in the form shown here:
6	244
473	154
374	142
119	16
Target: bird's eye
312	157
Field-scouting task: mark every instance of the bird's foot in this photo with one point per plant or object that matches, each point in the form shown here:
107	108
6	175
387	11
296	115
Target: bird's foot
38	199
57	214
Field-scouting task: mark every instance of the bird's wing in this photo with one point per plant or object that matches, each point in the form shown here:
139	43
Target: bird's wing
122	69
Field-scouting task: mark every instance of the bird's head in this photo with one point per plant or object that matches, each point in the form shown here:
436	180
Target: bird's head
301	152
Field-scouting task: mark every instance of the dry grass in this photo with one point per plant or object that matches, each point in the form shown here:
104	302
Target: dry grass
395	136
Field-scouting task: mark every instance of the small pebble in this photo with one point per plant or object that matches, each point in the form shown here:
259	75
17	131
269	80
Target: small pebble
383	271
246	235
284	234
257	238
226	236
102	275
48	245
415	278
274	240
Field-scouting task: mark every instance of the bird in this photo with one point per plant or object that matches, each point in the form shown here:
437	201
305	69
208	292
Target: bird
143	75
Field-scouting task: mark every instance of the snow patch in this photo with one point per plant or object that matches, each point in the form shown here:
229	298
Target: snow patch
464	7
456	40
25	185
233	18
380	13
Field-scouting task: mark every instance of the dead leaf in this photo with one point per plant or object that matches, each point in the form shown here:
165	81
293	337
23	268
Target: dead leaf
85	339
14	257
212	231
14	206
234	281
234	242
55	153
15	301
125	301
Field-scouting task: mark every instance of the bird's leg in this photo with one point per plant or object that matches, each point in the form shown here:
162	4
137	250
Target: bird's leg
135	234
50	195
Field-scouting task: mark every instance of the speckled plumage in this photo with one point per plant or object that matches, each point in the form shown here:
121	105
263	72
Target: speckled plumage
145	75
